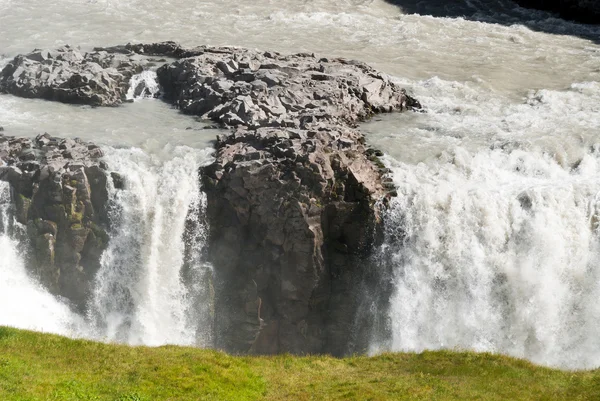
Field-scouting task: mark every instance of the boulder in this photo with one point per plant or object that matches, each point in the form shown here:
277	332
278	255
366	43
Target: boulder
294	193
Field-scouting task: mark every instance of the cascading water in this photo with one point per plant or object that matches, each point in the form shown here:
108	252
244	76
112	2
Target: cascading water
143	85
153	287
140	296
493	240
493	244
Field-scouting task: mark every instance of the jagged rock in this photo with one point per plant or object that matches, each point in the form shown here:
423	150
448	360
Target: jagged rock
293	192
255	89
67	75
60	195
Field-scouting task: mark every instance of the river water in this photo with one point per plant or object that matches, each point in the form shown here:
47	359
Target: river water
499	181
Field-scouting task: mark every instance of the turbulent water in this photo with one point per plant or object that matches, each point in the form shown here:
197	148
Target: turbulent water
493	241
152	287
140	295
498	250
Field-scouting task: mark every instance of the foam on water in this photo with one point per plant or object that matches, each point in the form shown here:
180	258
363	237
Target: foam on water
495	224
506	46
143	86
563	123
493	240
140	296
498	250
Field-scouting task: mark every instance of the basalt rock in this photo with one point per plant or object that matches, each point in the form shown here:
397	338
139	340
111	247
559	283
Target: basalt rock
60	195
67	75
293	191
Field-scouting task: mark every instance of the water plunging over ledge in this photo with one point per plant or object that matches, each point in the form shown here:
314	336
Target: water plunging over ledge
495	242
153	286
492	243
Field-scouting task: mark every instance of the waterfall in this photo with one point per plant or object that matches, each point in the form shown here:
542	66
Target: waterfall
497	250
140	296
143	85
154	286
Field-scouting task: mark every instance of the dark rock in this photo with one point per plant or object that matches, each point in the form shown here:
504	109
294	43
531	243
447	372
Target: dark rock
587	11
292	193
118	181
60	194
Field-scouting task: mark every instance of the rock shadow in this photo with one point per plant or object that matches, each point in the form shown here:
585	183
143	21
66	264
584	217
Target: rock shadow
505	12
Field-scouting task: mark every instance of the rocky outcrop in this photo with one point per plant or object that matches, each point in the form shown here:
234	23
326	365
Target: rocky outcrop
587	11
98	78
292	193
60	195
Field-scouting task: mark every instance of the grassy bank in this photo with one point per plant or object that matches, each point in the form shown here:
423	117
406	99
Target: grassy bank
37	366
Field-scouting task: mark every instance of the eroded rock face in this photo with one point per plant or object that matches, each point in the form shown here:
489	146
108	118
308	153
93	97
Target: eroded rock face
292	192
60	194
98	78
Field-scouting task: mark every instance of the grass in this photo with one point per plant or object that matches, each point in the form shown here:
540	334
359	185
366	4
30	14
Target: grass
36	366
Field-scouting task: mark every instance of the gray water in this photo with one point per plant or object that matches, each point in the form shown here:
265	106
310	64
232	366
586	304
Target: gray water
498	180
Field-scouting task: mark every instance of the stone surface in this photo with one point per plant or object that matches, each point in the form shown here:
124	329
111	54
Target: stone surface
294	193
59	191
67	75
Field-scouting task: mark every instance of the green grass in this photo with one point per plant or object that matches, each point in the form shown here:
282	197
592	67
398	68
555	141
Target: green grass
36	366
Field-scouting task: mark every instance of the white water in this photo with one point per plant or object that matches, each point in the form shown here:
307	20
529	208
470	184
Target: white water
478	267
140	295
501	253
147	80
503	87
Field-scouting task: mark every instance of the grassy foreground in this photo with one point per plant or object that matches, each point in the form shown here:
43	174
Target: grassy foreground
36	366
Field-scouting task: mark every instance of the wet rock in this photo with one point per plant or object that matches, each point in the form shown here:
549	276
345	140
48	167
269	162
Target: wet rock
293	194
59	192
117	180
587	11
211	82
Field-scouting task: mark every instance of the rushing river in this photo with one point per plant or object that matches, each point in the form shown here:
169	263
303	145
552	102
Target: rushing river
499	181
